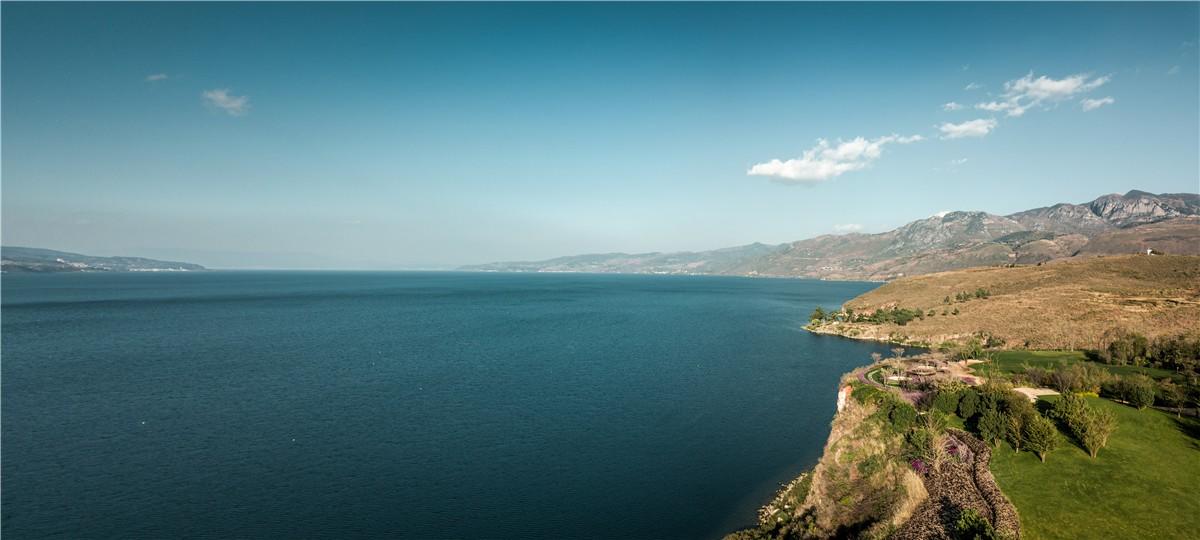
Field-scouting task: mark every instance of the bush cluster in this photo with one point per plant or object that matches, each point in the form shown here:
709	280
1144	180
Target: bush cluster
968	295
1177	353
997	413
1079	377
897	315
1136	390
1090	426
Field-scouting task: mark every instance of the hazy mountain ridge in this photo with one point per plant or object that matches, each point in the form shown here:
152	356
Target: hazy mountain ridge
25	259
1110	224
719	261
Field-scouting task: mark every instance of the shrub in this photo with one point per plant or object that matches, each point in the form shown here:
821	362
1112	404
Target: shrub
902	416
1039	435
972	526
968	405
946	401
992	425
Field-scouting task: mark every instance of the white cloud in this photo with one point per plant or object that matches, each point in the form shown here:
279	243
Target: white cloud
825	161
952	106
222	99
941	214
156	77
1093	104
847	227
973	86
1173	71
971	128
1011	108
959	161
1022	94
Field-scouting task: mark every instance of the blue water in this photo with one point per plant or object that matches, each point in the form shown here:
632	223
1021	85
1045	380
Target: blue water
409	405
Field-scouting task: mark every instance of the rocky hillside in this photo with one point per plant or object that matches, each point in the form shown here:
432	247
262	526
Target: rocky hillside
1067	304
23	259
1112	224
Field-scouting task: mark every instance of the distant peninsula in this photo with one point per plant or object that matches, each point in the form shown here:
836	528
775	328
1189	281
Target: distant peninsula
35	260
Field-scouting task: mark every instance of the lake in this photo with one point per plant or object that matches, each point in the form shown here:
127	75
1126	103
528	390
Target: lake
409	404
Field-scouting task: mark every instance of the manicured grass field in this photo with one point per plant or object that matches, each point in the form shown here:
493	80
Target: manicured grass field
1145	484
1015	362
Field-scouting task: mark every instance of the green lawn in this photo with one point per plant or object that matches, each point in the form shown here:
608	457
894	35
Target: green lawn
1144	484
1015	361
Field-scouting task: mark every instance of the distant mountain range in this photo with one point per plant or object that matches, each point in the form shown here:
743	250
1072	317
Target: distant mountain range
25	259
1111	224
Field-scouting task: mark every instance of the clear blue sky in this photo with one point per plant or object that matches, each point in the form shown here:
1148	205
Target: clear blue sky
408	135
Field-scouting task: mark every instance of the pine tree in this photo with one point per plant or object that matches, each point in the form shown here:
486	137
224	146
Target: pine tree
1040	436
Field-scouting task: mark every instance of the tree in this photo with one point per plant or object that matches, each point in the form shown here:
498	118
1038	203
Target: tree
992	425
1138	390
1096	428
1172	395
1040	436
1016	428
898	352
1069	410
818	314
968	405
876	357
1125	347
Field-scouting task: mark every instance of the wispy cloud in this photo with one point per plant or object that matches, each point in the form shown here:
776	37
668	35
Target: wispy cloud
971	128
951	106
972	86
825	160
958	161
1028	92
847	227
157	77
222	99
1173	71
1093	104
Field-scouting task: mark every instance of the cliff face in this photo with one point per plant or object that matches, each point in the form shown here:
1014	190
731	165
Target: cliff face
867	483
860	488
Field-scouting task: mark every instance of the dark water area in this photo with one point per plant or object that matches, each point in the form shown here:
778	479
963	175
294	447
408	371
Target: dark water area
408	405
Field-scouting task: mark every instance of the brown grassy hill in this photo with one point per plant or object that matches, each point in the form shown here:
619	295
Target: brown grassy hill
1180	236
1063	304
